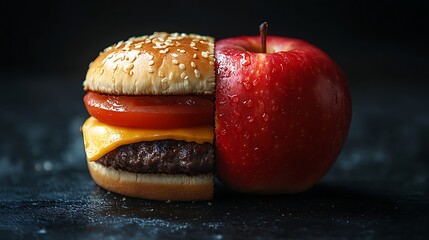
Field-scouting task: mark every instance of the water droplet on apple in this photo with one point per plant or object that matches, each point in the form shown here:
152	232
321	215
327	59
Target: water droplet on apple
234	98
274	108
250	119
224	72
248	103
239	127
245	60
247	86
254	82
227	73
256	148
266	117
236	113
246	135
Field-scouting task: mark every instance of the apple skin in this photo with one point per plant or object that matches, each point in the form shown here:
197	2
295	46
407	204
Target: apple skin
281	117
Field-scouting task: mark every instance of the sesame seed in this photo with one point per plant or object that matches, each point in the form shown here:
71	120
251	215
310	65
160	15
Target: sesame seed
131	73
119	44
175	61
205	54
186	77
150	70
161	74
110	56
128	67
182	51
195	55
174	55
162	51
167	50
132	58
141	38
151	62
138	45
183	75
151	57
192	44
118	57
164	80
158	47
182	66
101	71
197	73
115	66
193	65
196	49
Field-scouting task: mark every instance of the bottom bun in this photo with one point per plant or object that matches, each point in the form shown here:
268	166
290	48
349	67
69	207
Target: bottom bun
174	187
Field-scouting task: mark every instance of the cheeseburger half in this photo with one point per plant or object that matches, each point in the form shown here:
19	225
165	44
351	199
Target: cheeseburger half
150	134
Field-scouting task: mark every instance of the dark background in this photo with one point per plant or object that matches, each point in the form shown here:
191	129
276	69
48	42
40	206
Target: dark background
62	37
378	188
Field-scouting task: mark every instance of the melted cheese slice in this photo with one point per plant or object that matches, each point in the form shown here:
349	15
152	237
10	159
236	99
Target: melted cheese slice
100	138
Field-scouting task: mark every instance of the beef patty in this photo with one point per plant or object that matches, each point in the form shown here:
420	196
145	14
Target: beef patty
162	156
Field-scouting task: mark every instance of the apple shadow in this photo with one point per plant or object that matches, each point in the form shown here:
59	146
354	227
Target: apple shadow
322	200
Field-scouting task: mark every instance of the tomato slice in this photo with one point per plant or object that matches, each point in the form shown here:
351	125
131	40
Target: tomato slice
150	111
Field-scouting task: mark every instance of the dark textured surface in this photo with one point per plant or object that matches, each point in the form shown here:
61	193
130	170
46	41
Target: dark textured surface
378	188
162	156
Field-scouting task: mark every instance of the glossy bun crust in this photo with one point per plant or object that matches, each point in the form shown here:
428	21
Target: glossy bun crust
159	64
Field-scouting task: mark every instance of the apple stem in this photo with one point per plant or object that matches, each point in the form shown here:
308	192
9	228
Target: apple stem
263	29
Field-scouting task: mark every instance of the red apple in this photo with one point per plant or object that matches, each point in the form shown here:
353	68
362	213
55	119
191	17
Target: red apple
281	116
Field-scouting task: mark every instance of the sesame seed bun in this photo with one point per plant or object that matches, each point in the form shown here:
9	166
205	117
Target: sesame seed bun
159	64
174	187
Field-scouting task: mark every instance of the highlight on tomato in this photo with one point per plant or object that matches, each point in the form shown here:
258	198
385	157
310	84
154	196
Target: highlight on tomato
150	111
